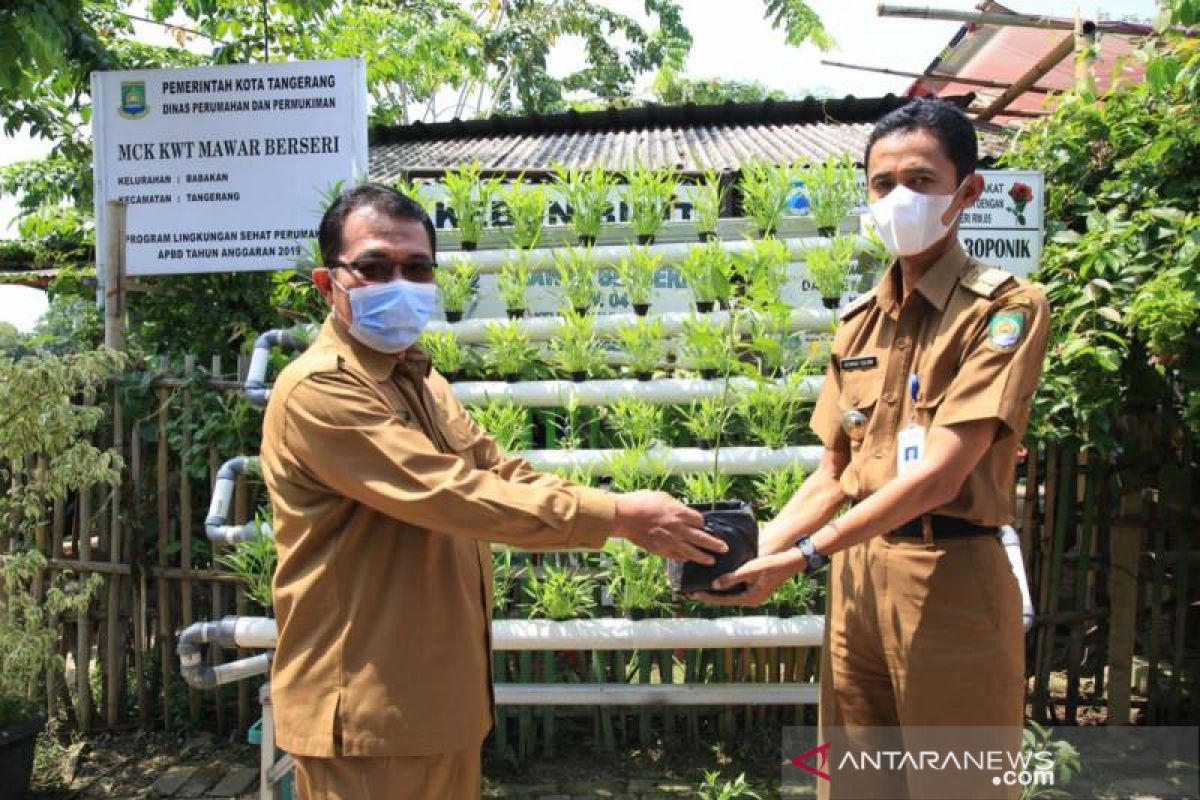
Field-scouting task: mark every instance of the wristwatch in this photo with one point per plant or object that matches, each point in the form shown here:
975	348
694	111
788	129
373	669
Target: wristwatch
813	561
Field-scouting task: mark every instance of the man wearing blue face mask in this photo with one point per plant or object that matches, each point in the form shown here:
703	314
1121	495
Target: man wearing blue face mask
385	496
923	408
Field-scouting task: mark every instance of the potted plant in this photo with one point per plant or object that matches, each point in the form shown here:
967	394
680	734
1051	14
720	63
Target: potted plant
637	272
644	342
559	593
42	417
587	195
447	353
705	420
252	562
506	422
769	410
456	284
707	487
417	193
509	351
638	580
514	279
649	194
576	351
577	275
832	192
707	346
762	269
707	198
765	189
526	204
707	268
470	198
776	487
637	423
770	327
828	267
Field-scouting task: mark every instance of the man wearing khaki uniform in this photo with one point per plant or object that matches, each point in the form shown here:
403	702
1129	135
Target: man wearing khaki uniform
925	402
385	495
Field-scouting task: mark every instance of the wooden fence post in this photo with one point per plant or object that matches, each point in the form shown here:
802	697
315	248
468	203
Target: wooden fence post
114	338
1125	542
166	647
185	523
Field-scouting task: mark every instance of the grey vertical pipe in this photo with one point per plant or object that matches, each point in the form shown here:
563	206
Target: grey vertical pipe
297	338
222	498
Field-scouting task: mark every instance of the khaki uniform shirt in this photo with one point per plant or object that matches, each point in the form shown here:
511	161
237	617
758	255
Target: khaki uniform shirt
385	494
975	338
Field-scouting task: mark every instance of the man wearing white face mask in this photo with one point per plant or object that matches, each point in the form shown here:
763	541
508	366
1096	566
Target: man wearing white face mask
924	405
385	495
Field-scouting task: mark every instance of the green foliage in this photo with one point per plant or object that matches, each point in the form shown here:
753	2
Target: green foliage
708	196
765	189
586	193
526	204
829	264
764	269
707	345
1121	250
504	581
509	350
705	418
637	423
649	194
770	411
417	192
707	268
636	272
707	487
770	336
217	420
577	273
253	562
638	580
831	190
636	468
644	342
713	788
775	488
504	421
673	88
513	281
449	356
799	22
1037	738
456	284
797	593
576	349
559	593
470	197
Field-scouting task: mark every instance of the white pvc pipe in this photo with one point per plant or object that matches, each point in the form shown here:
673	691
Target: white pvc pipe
658	634
611	633
619	694
474	331
545	258
683	460
558	394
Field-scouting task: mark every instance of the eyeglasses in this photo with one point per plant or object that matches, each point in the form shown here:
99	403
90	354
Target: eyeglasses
377	269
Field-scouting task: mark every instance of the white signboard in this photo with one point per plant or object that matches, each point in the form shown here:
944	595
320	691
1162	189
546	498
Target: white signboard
223	168
1004	229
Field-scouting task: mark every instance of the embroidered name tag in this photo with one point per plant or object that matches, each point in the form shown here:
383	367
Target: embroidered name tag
859	362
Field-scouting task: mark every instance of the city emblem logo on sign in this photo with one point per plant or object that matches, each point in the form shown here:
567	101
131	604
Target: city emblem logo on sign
133	100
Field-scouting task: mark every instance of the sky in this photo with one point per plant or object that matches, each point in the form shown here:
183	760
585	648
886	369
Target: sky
733	41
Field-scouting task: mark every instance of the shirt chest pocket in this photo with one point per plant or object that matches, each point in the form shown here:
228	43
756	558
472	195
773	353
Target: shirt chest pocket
461	434
934	384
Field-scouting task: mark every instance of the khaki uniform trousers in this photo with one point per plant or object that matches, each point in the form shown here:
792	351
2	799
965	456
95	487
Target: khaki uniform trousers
445	776
922	633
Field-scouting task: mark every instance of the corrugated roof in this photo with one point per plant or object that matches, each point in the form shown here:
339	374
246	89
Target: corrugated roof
687	138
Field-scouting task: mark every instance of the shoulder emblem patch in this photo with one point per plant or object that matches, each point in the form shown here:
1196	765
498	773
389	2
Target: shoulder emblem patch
1005	329
985	280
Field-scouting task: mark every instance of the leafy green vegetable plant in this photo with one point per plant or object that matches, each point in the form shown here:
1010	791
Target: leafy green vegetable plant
559	593
416	192
513	281
636	272
828	267
575	350
707	269
706	344
638	580
253	562
714	789
797	593
509	351
707	198
765	189
504	421
526	203
586	192
705	419
832	192
456	284
707	487
577	273
649	194
644	342
769	410
634	468
637	423
504	582
763	269
470	197
449	356
776	487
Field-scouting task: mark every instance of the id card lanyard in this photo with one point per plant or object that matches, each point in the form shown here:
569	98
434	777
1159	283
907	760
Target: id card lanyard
910	441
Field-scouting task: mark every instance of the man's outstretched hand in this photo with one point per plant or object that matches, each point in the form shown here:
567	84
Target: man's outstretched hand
660	524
